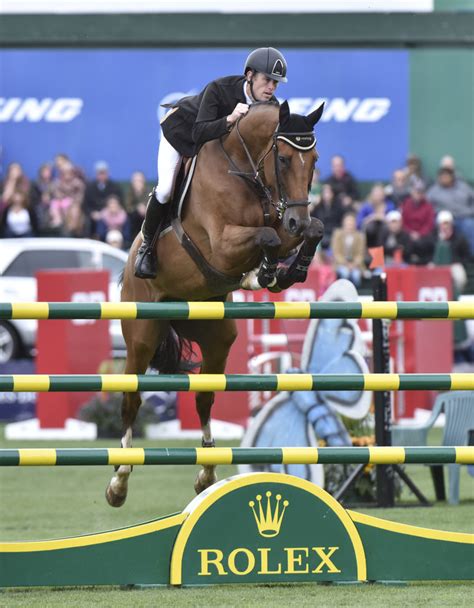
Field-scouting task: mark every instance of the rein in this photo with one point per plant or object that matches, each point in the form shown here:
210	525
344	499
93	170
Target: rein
300	141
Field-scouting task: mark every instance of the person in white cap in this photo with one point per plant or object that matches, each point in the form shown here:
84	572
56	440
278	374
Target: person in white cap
451	248
397	240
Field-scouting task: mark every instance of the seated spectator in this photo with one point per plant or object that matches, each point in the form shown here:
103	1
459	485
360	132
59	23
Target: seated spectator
419	221
456	196
18	220
97	192
136	202
398	190
348	248
112	217
15	181
114	238
330	211
451	248
342	183
397	246
376	205
68	190
414	170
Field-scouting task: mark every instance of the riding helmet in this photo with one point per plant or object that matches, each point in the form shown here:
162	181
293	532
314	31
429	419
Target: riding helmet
268	61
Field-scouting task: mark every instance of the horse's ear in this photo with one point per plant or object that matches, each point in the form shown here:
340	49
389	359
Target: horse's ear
284	113
316	115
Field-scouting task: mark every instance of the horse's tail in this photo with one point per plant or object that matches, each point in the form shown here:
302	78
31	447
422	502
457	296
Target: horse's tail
174	354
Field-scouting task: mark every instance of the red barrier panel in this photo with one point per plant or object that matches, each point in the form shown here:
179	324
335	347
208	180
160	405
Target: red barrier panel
70	346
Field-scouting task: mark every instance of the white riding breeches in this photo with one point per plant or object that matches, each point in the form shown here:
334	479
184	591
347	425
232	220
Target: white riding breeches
169	161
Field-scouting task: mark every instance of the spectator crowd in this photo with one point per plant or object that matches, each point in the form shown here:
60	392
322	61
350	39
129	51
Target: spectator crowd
415	220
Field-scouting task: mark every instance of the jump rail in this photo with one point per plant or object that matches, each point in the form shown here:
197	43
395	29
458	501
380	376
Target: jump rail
218	456
235	382
236	310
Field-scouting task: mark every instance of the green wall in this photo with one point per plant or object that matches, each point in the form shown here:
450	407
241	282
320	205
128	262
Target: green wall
442	107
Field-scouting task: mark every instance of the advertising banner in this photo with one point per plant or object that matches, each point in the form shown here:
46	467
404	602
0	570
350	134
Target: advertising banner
105	104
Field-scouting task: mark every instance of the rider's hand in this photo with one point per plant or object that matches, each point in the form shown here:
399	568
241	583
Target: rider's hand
240	110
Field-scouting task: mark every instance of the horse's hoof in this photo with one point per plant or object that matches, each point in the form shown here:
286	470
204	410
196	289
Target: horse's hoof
204	481
114	500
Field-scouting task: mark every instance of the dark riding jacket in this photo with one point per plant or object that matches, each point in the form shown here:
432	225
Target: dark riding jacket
200	118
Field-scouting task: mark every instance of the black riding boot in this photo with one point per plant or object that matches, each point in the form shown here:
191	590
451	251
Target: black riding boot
146	261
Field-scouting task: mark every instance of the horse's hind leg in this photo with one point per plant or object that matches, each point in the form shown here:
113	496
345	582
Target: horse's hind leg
142	339
215	339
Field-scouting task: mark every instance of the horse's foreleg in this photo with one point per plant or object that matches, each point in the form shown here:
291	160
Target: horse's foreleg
142	339
269	242
215	340
298	269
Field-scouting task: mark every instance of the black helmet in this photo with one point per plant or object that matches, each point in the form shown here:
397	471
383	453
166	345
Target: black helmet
269	61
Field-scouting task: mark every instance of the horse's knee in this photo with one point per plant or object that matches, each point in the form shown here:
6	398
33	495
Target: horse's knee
315	230
268	239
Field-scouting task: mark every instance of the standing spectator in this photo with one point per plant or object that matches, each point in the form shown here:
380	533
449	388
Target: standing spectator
397	245
398	190
419	221
61	159
451	248
330	211
136	202
342	182
315	190
454	195
41	196
68	190
348	248
97	192
15	181
112	217
18	220
414	170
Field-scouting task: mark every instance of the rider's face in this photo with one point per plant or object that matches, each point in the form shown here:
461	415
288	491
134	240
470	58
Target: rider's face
263	87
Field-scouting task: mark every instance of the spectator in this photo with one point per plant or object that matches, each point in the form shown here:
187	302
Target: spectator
15	181
315	190
112	217
68	190
398	190
330	211
414	170
114	238
375	205
348	248
41	197
397	245
97	192
451	248
61	159
136	202
342	182
18	220
419	222
454	195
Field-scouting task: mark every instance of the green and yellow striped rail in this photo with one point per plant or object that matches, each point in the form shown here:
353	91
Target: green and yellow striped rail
237	310
216	456
130	383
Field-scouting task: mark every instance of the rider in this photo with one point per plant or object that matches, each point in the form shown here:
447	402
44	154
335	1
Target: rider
194	120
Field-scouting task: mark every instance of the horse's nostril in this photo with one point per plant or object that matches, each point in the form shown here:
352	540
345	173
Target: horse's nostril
292	225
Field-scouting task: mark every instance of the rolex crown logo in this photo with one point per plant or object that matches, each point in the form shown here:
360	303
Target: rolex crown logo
268	519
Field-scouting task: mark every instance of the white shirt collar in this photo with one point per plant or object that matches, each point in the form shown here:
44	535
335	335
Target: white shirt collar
248	99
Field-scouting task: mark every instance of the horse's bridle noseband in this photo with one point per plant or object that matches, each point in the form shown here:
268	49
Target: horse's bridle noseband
300	141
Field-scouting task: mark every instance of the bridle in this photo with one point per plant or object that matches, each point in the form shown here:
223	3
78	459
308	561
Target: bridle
301	141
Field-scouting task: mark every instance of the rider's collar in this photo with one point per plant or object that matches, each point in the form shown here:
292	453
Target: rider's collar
300	141
248	98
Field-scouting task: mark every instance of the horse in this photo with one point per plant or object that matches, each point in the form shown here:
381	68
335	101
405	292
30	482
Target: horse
245	209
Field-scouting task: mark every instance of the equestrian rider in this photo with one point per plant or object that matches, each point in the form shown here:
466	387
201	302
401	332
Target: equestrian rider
194	120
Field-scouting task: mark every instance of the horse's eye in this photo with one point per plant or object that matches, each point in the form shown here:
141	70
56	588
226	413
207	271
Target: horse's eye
284	160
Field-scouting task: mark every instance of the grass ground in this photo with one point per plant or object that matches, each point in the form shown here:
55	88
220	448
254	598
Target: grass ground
39	503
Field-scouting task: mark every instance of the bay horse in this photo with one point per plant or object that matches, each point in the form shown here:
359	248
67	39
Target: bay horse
246	208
